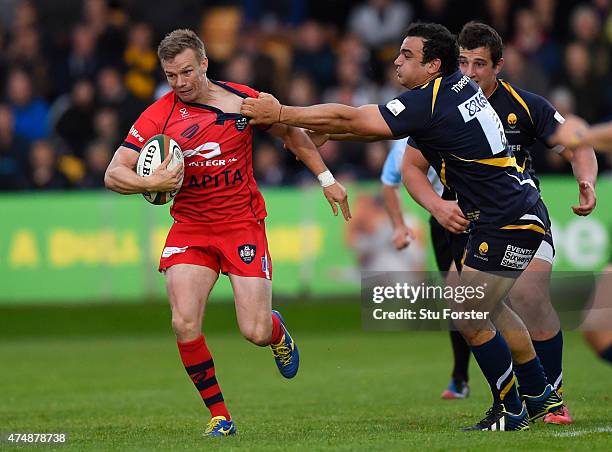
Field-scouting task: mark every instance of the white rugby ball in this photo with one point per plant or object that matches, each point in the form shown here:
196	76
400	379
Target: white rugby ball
152	154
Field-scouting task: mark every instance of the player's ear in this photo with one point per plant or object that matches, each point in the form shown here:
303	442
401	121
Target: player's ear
499	66
434	66
204	64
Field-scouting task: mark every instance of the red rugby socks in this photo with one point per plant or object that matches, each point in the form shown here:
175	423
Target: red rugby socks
201	369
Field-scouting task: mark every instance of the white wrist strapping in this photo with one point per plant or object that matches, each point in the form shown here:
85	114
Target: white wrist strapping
326	178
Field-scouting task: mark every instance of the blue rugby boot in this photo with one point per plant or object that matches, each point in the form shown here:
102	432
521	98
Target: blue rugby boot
219	426
498	419
286	352
541	405
456	390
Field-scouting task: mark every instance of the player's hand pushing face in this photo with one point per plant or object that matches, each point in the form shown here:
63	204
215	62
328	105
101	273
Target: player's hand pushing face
336	194
163	179
264	110
450	216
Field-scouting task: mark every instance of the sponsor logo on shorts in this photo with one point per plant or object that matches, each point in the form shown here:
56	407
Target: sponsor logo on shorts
247	253
516	257
170	250
241	124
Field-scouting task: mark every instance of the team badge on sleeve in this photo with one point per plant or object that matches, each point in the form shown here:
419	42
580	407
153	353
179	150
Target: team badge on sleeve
247	253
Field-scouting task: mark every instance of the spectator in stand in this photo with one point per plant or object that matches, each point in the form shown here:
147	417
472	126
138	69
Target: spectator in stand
546	13
579	78
30	112
380	22
82	60
497	14
112	93
586	28
375	156
13	152
97	157
25	51
265	70
108	28
43	173
267	165
25	15
531	40
239	69
302	91
4	65
106	127
75	126
352	88
140	60
439	11
517	70
313	55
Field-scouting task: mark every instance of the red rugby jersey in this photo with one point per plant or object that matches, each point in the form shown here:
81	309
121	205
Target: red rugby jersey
218	150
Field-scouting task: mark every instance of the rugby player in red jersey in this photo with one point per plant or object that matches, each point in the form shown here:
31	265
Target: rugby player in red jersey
218	213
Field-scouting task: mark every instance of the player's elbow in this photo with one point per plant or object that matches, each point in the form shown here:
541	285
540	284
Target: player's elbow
108	180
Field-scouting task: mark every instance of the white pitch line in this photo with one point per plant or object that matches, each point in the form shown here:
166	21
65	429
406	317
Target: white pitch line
584	432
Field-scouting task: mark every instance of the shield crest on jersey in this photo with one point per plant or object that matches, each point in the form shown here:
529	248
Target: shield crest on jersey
241	123
247	252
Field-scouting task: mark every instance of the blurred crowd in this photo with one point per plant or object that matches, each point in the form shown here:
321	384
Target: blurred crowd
74	75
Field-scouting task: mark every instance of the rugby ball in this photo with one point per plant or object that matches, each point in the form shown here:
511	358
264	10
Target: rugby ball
152	154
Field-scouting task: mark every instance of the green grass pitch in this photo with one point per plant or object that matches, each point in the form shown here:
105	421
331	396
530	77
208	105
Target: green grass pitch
111	378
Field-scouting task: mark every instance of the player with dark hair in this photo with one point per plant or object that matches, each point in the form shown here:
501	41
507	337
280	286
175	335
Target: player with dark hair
218	213
456	129
528	118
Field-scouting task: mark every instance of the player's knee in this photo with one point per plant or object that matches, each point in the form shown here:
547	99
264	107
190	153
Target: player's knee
185	328
475	336
257	334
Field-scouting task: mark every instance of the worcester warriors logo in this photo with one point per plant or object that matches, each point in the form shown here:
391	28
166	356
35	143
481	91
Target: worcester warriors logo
483	248
512	119
241	123
247	253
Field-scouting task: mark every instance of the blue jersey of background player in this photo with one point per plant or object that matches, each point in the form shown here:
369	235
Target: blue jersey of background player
391	172
391	179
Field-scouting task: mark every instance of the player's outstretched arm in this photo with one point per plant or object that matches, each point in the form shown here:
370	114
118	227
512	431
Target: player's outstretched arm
599	136
414	177
121	176
298	142
326	118
576	132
